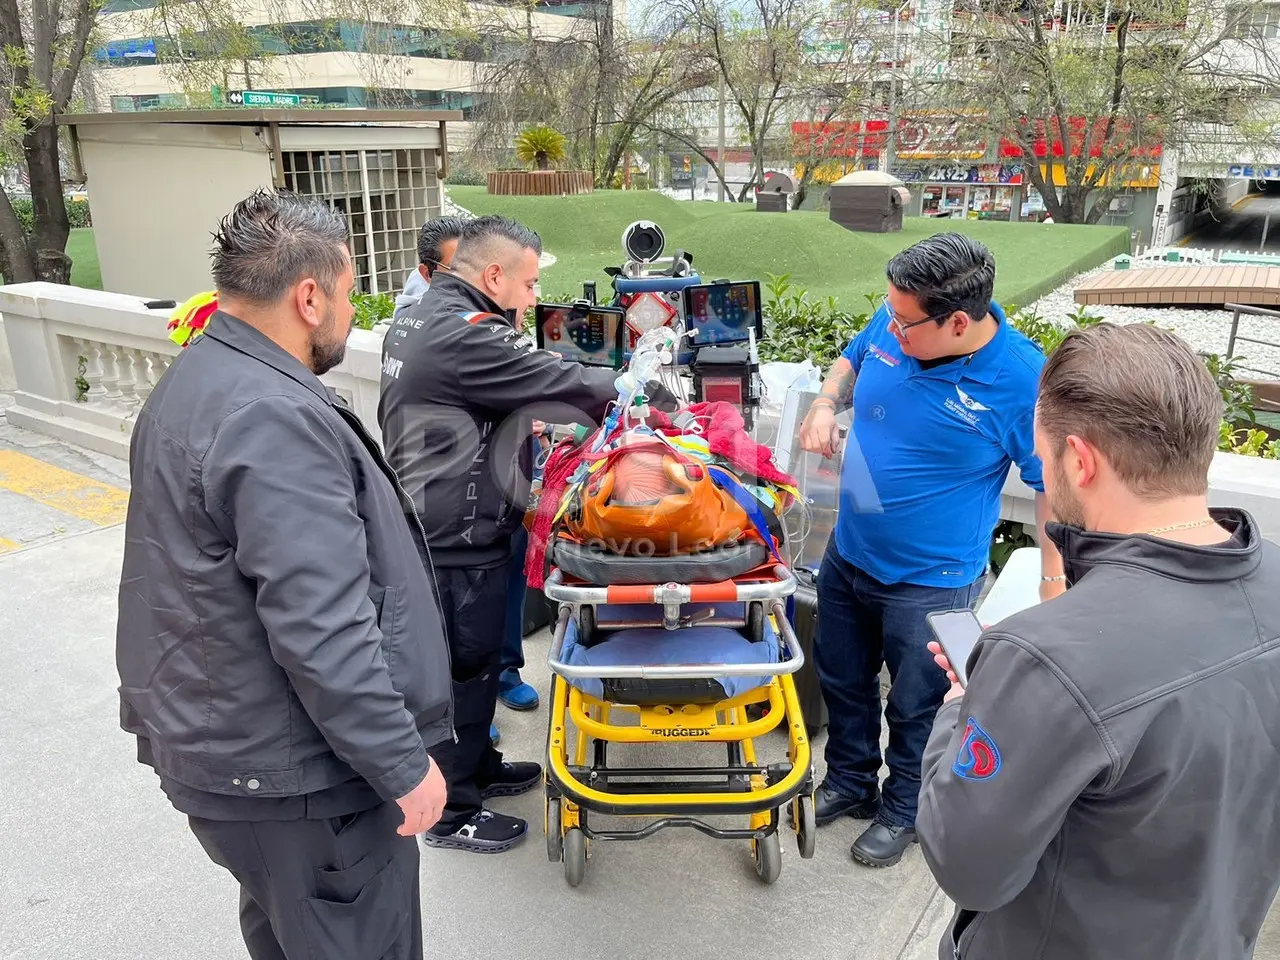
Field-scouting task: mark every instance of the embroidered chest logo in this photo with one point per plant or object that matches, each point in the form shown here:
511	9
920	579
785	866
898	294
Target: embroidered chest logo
979	757
882	356
965	407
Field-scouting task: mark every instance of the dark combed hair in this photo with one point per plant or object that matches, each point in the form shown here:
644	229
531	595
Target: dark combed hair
947	273
483	238
1142	397
272	240
435	232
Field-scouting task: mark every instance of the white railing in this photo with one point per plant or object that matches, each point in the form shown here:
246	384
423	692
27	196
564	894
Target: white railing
1153	255
85	361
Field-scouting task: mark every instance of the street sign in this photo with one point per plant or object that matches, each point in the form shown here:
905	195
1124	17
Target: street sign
257	98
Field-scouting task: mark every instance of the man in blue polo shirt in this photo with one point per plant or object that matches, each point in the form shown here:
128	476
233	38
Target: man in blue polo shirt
943	392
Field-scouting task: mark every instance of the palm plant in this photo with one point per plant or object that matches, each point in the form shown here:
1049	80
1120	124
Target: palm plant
540	146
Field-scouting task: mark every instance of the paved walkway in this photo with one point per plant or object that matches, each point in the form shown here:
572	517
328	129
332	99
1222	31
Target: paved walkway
99	866
1242	228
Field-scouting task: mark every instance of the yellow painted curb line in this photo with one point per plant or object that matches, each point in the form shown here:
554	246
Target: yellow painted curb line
82	497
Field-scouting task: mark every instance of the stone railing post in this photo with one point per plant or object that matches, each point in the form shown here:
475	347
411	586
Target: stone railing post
37	361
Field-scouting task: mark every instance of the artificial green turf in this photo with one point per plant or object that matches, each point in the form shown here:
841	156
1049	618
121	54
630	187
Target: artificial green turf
735	242
83	252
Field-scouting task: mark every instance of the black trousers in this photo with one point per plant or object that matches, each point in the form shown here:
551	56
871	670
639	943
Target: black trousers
474	605
343	888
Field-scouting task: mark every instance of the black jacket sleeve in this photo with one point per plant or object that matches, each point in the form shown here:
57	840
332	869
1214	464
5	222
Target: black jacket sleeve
279	483
499	367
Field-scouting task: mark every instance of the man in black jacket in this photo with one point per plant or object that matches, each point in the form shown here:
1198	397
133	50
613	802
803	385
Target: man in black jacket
1105	784
460	388
281	654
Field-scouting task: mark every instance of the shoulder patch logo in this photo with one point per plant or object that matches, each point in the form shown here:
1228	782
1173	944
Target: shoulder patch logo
979	757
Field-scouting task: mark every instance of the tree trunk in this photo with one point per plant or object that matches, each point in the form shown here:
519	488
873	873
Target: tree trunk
15	258
47	243
543	162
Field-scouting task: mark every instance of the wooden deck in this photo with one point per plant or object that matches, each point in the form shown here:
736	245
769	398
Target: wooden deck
1189	285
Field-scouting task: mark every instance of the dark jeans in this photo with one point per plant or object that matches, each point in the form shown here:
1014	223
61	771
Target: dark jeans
473	602
343	888
862	624
513	642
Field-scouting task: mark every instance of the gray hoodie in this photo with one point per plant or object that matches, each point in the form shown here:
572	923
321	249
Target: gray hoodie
415	285
1107	787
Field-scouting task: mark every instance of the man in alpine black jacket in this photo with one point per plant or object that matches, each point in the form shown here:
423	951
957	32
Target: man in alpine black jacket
1105	786
282	658
460	388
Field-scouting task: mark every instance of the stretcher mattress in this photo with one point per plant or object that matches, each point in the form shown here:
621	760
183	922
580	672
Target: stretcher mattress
654	646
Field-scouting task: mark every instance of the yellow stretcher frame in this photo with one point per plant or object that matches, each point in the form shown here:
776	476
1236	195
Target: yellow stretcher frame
569	798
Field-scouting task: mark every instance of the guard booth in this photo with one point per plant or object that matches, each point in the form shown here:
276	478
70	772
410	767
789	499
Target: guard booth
775	195
869	201
159	182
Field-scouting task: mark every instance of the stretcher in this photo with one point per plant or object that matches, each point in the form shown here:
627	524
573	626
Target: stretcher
639	659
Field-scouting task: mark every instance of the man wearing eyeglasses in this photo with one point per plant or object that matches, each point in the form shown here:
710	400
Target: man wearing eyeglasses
943	392
437	242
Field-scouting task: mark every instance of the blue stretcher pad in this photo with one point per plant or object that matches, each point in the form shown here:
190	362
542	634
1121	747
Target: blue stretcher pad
654	646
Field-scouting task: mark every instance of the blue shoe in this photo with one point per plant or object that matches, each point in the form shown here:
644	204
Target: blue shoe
515	693
495	737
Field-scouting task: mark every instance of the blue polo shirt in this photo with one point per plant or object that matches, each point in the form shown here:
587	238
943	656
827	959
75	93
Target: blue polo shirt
929	453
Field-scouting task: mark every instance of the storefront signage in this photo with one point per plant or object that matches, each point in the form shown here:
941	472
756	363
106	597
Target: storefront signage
1253	173
927	134
995	173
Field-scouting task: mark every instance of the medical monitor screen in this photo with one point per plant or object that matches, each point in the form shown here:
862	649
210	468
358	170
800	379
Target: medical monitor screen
588	335
723	313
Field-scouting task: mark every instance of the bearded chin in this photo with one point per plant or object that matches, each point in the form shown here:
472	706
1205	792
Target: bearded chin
327	351
1065	505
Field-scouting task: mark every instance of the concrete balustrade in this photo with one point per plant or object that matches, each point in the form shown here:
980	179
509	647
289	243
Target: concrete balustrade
85	361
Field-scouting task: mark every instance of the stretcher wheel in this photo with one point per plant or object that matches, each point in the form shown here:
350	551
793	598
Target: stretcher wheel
807	829
769	858
755	622
555	842
575	856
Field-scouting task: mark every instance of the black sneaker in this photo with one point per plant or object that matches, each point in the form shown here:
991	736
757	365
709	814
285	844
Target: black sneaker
486	832
512	780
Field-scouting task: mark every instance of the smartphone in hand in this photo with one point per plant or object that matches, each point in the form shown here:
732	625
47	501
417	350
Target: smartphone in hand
957	631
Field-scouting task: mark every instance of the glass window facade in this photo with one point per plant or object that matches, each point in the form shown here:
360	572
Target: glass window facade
316	36
390	99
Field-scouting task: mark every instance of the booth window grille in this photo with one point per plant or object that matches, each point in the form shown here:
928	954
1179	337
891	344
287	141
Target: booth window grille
385	195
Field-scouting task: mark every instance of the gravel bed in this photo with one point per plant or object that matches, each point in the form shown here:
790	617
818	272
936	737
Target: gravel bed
1205	330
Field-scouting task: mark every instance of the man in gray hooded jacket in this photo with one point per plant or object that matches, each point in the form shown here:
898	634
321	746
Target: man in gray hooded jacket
1105	787
437	243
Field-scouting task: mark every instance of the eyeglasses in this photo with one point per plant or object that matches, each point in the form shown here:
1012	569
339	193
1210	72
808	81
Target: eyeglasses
438	265
903	327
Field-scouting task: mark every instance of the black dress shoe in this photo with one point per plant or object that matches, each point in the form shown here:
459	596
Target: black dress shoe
882	845
830	805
